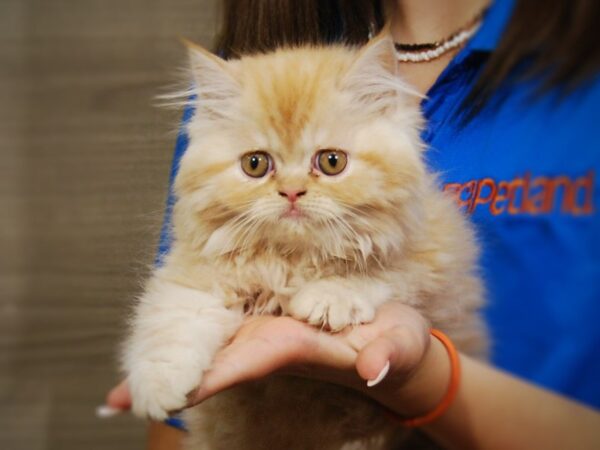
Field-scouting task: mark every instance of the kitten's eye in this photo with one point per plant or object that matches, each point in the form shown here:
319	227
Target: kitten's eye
331	162
256	164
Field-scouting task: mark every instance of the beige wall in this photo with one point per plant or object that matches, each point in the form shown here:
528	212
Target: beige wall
84	160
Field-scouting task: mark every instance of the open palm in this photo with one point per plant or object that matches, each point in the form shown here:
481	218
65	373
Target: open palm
267	345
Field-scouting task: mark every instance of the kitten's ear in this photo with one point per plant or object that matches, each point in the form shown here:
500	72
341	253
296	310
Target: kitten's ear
373	75
378	53
215	80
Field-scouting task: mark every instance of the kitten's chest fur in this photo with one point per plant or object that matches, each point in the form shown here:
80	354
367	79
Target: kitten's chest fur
264	284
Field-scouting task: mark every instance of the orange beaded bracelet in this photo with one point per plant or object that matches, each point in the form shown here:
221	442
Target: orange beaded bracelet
450	392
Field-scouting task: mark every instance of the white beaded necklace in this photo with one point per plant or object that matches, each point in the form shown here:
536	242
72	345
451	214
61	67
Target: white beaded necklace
426	52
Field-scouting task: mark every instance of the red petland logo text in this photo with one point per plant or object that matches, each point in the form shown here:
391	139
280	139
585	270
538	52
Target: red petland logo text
527	195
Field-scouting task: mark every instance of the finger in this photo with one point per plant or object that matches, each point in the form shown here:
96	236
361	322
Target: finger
252	358
399	350
119	397
389	316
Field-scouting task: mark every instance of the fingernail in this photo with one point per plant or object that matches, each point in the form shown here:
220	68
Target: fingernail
105	411
381	375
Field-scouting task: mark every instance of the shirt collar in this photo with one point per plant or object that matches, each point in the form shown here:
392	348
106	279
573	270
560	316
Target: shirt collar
495	21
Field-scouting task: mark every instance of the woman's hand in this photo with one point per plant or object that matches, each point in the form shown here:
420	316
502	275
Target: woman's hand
388	351
271	345
492	409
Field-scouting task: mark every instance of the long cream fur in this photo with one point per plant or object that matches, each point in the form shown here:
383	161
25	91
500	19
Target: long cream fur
380	231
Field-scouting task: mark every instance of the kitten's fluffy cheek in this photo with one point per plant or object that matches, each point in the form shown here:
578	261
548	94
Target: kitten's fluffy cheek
232	191
219	242
362	185
234	185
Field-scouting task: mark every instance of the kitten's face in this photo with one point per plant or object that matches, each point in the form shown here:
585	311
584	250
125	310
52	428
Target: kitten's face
306	149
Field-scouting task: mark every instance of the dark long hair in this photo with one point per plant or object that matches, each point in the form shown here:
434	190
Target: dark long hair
559	39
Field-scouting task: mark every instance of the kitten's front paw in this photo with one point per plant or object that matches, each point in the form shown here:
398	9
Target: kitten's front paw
158	388
330	304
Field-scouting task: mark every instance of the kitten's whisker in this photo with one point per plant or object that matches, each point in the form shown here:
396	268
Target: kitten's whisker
360	258
239	228
368	222
241	231
337	226
255	219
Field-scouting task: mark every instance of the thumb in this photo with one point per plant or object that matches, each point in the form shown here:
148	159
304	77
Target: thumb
119	396
395	353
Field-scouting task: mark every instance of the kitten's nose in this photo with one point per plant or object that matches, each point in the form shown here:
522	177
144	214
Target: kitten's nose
292	194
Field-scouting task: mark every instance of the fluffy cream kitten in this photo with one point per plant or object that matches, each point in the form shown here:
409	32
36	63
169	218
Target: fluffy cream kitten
303	192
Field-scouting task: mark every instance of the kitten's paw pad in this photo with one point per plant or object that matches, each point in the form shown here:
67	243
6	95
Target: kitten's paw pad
160	388
330	305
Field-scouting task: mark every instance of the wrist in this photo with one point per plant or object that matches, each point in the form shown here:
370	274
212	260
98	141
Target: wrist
419	392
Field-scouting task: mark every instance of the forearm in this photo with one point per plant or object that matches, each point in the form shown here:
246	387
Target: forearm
494	410
497	411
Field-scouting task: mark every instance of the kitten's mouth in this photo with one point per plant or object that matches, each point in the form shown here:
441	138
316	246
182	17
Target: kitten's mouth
292	213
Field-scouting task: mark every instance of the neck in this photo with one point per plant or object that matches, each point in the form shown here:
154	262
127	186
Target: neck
422	21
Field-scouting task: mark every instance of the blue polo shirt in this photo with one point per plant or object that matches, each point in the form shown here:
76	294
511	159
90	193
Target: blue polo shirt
525	170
